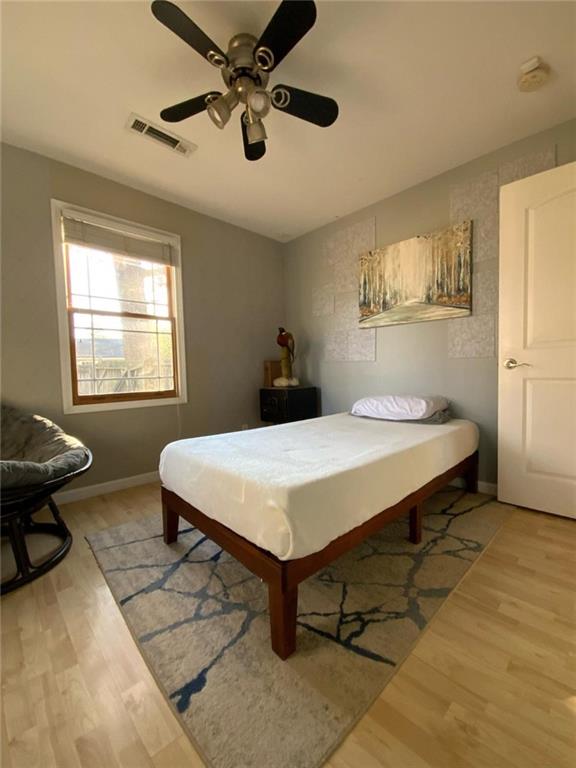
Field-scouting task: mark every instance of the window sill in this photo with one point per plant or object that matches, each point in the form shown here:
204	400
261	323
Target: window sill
123	405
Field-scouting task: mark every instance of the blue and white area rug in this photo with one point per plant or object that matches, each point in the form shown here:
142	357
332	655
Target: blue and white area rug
200	619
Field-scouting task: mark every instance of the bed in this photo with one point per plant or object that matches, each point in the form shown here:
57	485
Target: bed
287	500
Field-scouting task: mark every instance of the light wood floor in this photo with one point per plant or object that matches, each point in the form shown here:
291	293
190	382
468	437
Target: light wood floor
490	684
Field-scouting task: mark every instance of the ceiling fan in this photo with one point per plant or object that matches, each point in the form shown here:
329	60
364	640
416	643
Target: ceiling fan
245	69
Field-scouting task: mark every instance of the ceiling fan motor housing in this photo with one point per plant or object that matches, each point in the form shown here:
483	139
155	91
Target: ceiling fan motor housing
241	63
241	51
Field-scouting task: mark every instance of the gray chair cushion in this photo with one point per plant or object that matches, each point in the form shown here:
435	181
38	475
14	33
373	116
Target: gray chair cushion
34	450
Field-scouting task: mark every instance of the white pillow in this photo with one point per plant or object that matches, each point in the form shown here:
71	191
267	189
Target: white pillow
399	407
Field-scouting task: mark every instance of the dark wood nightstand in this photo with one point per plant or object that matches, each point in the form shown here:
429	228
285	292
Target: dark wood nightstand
283	404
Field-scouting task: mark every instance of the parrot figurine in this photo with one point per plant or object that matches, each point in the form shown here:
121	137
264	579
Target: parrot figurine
285	339
286	343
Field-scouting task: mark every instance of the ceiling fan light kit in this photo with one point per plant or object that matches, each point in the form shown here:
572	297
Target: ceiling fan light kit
259	102
220	108
255	131
245	69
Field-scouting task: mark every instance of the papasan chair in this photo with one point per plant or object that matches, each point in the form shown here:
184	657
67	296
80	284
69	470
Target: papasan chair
37	459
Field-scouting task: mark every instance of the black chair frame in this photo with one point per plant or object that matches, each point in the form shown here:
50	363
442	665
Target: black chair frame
17	506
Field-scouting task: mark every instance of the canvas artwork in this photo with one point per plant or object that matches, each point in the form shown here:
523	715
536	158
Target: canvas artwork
425	278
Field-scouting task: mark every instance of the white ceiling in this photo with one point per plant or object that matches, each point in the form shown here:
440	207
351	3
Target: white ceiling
422	87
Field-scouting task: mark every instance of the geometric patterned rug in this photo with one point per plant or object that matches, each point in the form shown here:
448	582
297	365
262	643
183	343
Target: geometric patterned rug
200	620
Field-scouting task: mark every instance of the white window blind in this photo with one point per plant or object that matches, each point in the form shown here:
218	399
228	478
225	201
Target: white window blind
76	230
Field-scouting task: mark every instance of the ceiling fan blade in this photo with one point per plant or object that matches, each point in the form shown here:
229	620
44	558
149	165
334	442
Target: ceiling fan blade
187	108
251	151
312	107
176	20
293	18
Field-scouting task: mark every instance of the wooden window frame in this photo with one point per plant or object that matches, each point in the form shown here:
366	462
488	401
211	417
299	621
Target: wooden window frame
74	402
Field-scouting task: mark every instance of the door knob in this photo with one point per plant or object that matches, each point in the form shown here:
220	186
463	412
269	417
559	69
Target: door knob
511	363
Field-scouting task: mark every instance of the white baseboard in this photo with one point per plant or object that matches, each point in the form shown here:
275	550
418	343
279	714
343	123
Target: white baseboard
489	488
88	491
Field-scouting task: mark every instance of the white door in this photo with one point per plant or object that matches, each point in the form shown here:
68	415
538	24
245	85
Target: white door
537	342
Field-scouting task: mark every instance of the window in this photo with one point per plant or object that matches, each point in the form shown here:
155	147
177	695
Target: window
120	324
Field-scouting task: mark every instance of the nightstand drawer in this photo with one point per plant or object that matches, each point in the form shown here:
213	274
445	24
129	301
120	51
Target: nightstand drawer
273	406
283	404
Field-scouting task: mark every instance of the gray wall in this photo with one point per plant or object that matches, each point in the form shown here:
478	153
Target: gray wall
456	358
238	289
233	303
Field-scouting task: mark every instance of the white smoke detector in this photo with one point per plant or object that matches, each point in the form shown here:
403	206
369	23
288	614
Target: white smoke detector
533	74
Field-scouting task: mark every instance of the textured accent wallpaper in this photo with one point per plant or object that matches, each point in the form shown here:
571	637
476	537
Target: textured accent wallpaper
478	199
336	301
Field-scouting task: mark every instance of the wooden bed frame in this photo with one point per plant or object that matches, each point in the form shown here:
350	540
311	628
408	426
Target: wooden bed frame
283	576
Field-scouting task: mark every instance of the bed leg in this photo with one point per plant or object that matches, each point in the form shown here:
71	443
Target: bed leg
169	523
471	475
416	524
283	604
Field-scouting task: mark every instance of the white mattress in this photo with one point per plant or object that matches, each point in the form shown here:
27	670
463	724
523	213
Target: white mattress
293	488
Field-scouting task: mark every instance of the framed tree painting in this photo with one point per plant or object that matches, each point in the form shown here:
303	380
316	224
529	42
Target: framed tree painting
428	277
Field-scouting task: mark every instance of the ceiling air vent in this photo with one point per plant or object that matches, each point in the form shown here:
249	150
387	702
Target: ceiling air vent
146	128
